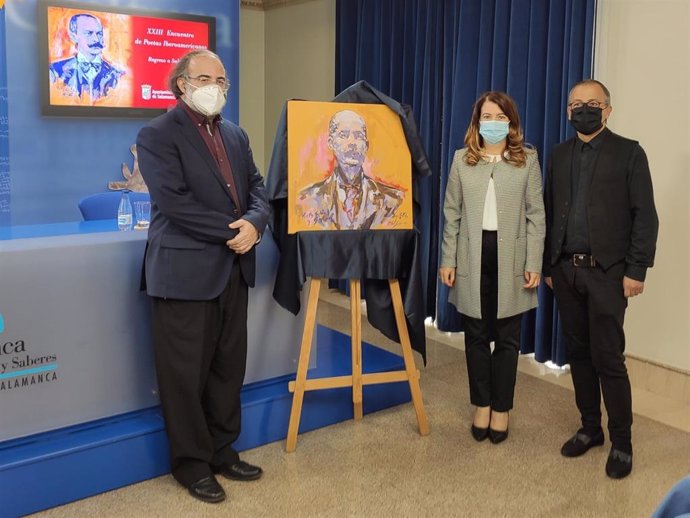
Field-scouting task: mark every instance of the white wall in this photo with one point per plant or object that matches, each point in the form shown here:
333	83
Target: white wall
252	90
642	54
286	52
300	57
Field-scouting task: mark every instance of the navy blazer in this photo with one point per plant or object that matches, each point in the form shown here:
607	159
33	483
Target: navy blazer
187	257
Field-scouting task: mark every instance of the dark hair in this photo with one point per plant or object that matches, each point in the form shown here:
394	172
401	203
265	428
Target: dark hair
607	94
180	68
515	142
73	21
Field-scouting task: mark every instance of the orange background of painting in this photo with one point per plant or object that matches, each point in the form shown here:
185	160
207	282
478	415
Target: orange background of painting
117	41
309	159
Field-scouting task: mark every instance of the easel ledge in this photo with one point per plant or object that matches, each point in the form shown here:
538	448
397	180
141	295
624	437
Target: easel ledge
357	380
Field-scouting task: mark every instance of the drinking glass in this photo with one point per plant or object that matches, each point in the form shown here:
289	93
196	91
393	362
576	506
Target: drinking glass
142	212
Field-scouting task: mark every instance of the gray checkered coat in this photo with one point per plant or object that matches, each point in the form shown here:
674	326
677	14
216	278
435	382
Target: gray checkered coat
521	230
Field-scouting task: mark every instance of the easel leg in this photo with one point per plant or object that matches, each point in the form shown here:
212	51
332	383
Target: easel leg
303	364
356	321
407	356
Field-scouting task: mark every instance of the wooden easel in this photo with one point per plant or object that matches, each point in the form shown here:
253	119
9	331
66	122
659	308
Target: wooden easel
357	380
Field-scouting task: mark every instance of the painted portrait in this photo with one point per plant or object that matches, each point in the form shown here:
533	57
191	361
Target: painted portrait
89	52
349	168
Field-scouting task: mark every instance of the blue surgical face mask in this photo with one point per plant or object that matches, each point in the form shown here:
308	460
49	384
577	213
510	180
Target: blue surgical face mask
493	131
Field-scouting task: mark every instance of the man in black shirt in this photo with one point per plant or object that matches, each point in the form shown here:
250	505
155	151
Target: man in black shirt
601	238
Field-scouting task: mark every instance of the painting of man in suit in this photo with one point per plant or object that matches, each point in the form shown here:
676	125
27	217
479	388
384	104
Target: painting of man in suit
86	74
356	193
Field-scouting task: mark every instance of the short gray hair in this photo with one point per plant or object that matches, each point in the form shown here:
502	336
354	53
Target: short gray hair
180	68
607	94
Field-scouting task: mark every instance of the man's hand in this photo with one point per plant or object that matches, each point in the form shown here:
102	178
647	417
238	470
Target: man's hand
245	239
531	280
447	275
631	287
548	282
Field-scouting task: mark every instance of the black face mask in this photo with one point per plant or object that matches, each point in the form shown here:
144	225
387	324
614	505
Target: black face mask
585	119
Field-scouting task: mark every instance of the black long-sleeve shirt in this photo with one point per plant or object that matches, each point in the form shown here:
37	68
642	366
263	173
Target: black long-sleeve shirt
584	159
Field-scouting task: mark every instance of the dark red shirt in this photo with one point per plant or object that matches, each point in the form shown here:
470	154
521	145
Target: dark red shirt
209	131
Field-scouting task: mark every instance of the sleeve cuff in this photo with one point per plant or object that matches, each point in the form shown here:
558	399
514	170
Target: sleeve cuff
636	272
448	262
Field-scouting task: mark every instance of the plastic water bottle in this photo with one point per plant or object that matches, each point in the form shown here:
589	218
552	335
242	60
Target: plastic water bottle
124	212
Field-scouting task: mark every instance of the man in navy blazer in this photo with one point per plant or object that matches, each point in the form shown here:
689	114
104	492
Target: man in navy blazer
208	211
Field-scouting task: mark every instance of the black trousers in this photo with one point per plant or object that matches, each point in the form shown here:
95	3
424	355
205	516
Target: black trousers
201	354
592	307
491	375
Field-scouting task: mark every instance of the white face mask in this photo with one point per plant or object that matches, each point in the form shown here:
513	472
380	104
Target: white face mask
207	100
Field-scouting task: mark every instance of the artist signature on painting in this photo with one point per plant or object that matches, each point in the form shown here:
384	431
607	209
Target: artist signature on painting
399	219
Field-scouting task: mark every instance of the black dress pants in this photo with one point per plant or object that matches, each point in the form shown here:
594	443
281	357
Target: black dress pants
201	354
592	307
491	375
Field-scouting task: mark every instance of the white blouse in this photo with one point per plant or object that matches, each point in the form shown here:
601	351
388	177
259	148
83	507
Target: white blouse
490	219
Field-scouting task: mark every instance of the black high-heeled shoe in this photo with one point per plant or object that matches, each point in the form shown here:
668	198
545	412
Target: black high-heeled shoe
479	434
496	437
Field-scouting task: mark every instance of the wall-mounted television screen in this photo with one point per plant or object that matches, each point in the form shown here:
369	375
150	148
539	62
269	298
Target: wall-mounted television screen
105	61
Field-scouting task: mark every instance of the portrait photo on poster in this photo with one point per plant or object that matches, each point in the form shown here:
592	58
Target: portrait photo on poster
102	60
89	55
349	168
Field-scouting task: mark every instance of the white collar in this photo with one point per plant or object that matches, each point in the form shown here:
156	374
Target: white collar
494	158
82	58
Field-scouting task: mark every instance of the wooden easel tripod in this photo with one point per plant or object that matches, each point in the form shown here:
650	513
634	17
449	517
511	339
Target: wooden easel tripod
357	380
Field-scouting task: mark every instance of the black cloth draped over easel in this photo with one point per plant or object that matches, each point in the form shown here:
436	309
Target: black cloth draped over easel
373	256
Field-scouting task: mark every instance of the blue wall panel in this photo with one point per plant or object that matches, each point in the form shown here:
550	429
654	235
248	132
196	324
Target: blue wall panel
4	131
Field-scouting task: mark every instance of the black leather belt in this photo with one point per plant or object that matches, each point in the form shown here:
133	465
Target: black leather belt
582	260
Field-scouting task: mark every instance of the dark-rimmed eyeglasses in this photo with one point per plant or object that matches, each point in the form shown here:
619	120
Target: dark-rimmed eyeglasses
204	80
592	104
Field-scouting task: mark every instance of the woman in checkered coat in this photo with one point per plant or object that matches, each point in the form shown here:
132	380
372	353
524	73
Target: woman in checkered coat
491	256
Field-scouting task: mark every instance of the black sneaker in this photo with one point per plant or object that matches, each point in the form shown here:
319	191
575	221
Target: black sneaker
580	443
619	464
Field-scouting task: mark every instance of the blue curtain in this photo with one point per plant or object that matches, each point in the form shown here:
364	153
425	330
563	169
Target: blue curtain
4	129
439	57
396	46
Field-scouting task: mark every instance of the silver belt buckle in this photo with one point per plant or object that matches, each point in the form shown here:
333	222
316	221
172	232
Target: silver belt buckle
583	260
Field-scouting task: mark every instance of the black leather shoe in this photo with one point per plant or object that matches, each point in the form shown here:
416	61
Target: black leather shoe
580	443
496	436
207	490
479	434
619	464
240	470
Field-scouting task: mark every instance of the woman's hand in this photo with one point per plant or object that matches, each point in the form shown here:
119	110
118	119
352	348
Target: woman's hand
447	275
531	280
